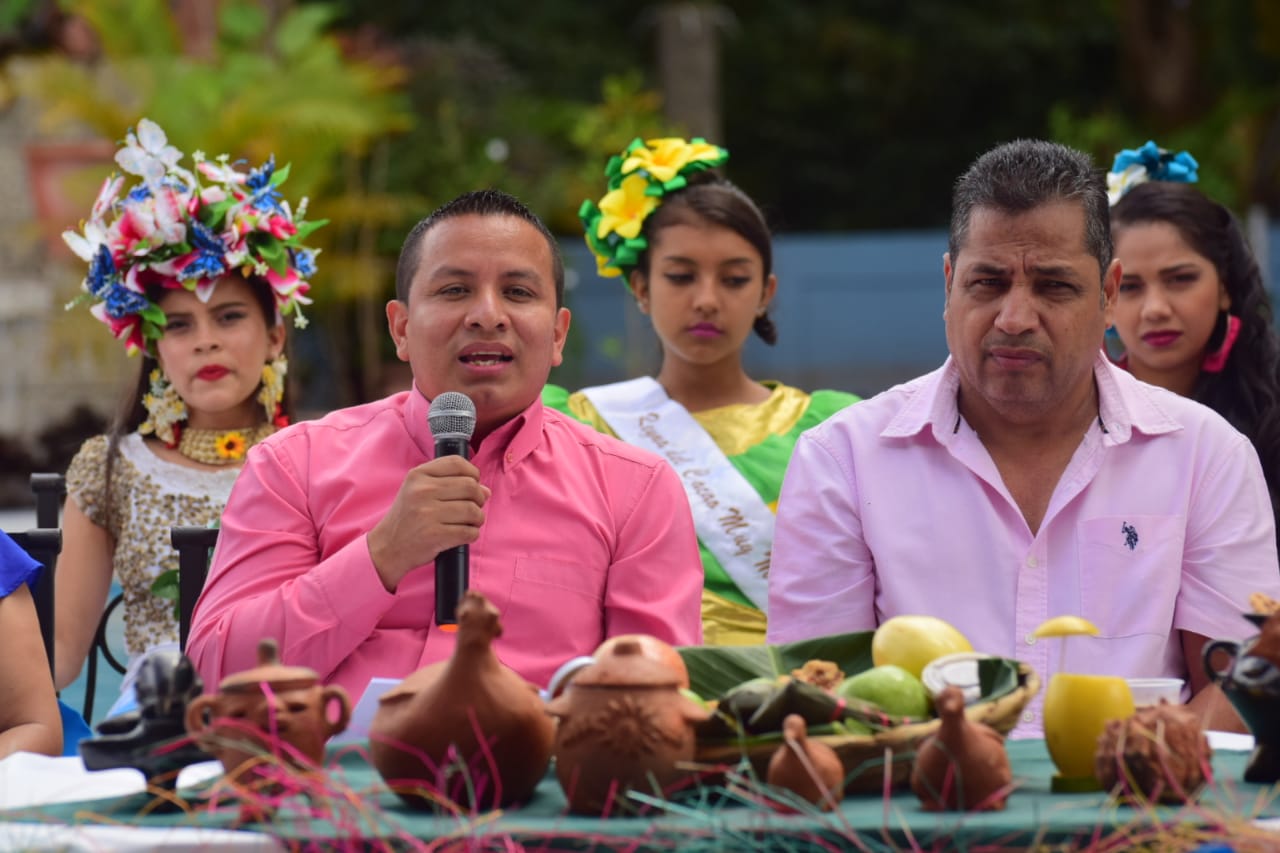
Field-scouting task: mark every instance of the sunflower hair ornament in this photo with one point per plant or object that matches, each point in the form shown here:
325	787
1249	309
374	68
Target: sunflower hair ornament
1135	166
638	179
181	228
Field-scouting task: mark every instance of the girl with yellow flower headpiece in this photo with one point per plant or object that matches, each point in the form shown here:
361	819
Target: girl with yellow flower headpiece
697	256
193	269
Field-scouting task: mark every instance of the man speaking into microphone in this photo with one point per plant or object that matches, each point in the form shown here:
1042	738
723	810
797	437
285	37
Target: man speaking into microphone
330	539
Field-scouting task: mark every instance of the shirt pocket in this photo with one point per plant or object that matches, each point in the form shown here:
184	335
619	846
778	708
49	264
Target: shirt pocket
1130	573
563	575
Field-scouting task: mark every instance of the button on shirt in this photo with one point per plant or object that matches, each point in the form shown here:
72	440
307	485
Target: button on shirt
1160	523
584	537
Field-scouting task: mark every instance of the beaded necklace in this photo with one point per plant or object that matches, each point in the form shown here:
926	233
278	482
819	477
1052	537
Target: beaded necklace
221	446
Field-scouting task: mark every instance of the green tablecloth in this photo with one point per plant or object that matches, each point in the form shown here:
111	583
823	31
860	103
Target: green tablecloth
360	807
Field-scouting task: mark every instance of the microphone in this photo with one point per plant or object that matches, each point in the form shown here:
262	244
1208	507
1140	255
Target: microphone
452	420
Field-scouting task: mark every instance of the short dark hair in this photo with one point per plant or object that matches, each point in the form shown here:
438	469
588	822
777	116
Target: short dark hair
714	199
474	203
1021	175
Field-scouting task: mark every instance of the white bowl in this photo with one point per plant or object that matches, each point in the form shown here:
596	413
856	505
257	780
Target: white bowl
1149	691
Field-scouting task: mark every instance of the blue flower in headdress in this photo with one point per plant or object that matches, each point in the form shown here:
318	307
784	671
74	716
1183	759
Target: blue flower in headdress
1135	166
102	273
141	192
120	301
304	261
209	261
263	194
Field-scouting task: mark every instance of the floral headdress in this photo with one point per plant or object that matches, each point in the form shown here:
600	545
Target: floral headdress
179	228
638	178
1135	166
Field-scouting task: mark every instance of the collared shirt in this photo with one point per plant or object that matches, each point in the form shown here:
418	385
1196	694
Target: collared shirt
584	538
1160	523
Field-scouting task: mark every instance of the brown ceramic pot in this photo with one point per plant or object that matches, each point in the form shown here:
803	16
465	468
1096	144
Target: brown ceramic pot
963	766
623	724
425	739
268	716
809	769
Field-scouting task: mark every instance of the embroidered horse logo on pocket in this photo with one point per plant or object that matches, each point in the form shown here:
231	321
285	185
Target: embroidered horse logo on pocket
1130	535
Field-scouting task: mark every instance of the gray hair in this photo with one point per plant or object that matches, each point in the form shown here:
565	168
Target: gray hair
1021	175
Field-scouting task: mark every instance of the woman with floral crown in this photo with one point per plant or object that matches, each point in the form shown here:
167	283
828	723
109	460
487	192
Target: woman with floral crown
1192	312
698	258
193	269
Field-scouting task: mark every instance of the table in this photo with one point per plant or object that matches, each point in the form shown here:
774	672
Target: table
361	808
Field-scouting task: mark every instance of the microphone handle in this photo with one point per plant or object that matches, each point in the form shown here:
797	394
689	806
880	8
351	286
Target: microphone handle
452	577
453	564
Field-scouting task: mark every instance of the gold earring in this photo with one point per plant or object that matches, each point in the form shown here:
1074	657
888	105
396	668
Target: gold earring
272	392
165	409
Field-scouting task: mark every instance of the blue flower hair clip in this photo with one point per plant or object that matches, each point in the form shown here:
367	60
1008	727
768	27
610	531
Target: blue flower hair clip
1135	166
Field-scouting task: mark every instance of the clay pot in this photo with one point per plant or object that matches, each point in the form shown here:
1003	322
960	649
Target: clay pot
268	717
1251	682
809	769
963	766
1157	755
425	739
623	724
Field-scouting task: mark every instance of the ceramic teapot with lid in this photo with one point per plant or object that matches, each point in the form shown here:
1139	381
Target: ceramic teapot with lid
1249	674
623	724
268	715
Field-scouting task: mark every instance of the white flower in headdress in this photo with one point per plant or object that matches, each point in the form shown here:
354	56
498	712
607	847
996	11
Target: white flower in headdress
148	153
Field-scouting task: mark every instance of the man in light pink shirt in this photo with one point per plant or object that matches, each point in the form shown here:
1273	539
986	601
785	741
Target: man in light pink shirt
329	538
1028	477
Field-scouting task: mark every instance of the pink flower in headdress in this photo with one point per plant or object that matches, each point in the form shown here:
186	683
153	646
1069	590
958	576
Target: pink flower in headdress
127	329
280	228
221	173
106	197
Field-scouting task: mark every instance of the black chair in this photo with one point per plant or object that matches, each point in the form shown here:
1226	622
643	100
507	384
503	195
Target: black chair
50	491
195	547
43	545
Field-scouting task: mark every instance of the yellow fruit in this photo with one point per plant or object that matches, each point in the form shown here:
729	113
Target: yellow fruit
911	642
1065	626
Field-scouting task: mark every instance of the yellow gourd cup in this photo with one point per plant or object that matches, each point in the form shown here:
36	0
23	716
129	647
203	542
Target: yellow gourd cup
1076	710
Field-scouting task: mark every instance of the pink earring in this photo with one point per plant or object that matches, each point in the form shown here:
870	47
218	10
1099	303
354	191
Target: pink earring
1216	361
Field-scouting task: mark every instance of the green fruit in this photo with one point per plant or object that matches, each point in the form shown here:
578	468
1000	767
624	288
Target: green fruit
894	690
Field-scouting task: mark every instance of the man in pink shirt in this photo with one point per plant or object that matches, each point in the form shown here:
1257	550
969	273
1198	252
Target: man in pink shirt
329	538
1028	477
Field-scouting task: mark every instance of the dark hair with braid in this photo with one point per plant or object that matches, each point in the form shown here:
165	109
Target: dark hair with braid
1247	391
711	198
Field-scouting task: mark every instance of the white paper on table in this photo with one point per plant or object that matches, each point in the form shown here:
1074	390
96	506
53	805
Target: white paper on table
87	838
27	779
362	713
1230	741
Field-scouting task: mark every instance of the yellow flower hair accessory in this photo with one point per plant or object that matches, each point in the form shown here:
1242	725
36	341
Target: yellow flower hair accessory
638	178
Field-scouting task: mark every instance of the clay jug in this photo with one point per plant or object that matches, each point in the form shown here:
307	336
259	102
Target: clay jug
1251	681
425	738
267	718
808	768
963	766
623	724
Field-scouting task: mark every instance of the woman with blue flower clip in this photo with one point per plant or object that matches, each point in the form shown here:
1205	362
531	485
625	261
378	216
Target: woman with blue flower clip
1192	311
193	269
696	253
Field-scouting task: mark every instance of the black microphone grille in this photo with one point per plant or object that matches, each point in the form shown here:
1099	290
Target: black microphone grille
452	413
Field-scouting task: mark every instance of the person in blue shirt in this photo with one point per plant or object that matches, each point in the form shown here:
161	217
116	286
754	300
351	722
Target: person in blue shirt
29	714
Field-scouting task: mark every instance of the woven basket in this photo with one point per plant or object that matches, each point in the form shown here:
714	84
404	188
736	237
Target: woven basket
864	756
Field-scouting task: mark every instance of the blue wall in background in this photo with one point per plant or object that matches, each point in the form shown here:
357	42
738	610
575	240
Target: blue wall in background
859	312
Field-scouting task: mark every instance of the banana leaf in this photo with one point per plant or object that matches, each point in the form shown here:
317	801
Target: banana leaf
716	670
